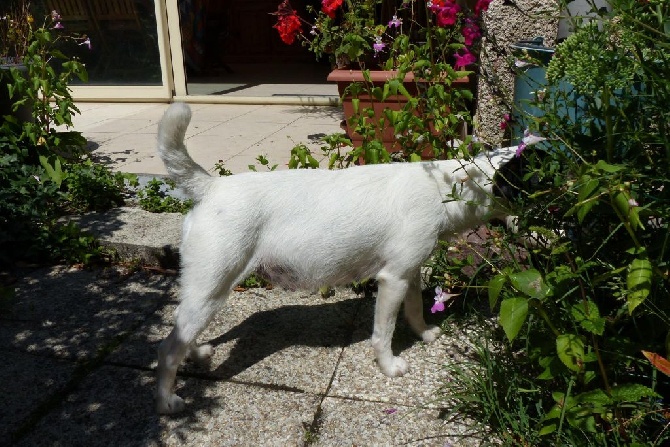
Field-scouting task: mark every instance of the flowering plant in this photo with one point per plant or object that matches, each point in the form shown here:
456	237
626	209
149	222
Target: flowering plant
387	33
41	83
18	33
15	28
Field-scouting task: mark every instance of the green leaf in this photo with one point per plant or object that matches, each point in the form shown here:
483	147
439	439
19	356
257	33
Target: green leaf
588	316
570	349
638	281
530	283
513	312
602	165
585	201
495	286
632	392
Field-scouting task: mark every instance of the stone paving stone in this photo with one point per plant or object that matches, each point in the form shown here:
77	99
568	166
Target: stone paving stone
111	406
287	339
348	423
73	313
359	377
114	406
27	381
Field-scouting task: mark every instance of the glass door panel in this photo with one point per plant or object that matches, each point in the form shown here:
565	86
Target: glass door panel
126	58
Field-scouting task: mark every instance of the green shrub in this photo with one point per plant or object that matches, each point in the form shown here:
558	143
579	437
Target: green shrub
596	294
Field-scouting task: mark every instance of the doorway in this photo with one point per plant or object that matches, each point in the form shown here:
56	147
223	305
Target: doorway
230	48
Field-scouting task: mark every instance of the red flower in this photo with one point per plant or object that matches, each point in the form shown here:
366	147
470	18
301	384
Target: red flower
288	22
330	7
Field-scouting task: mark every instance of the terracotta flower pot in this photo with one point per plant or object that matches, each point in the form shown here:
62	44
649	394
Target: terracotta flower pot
386	134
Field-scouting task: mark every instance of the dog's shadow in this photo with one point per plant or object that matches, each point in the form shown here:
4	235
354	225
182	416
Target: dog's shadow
328	325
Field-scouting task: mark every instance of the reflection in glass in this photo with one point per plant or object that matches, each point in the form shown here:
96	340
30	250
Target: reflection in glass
123	34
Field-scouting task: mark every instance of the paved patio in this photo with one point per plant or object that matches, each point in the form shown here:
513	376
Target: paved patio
290	369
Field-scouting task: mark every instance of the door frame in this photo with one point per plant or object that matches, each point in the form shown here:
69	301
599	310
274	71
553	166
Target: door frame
140	93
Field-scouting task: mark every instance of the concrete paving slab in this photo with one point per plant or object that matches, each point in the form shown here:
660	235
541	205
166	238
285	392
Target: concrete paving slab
273	337
153	238
350	422
230	414
74	314
358	376
111	406
114	406
27	381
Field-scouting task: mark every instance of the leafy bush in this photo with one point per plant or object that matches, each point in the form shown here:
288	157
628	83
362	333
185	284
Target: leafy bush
593	303
156	199
44	170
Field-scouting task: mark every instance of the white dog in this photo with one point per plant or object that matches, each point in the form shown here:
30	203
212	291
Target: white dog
310	228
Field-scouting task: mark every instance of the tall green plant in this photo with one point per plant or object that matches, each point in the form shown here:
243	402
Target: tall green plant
597	292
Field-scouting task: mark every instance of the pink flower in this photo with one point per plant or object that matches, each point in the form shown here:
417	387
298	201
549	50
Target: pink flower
528	140
465	59
632	203
482	5
520	149
55	16
58	25
86	42
470	31
505	122
446	15
441	298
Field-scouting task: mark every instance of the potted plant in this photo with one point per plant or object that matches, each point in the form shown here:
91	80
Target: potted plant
400	67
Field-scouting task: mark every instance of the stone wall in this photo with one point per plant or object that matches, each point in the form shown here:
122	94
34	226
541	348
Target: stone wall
507	22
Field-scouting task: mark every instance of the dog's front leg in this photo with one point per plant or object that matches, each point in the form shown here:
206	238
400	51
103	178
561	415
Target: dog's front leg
414	312
391	292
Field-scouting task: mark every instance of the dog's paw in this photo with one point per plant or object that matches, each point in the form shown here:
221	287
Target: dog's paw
397	367
431	334
172	405
201	355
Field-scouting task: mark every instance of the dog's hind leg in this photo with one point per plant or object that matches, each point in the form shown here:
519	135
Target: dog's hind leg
391	292
414	312
194	313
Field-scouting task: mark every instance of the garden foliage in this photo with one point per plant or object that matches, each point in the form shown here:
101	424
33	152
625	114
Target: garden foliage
590	311
45	172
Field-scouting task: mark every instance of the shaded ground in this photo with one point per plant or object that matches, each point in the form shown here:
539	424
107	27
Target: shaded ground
78	351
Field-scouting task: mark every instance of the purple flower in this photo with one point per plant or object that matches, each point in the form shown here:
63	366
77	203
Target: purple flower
378	45
520	149
632	202
55	16
58	25
437	307
441	297
395	22
86	42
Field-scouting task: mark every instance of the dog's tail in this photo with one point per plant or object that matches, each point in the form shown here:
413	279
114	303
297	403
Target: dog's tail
181	168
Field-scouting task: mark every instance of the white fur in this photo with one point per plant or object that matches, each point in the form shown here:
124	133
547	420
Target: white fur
310	228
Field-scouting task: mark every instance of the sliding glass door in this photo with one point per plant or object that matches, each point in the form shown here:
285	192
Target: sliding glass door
127	58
